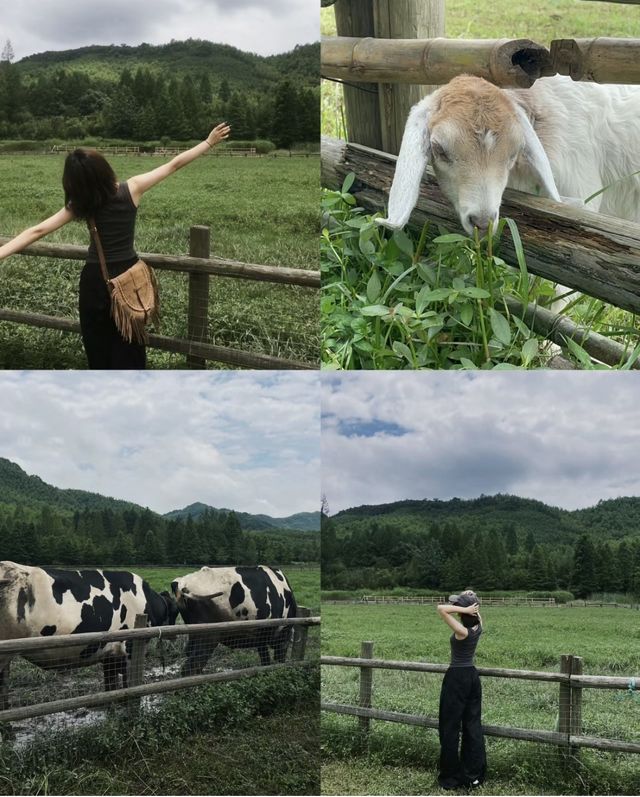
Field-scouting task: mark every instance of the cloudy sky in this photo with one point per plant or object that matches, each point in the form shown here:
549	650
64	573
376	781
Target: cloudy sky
568	439
260	26
240	440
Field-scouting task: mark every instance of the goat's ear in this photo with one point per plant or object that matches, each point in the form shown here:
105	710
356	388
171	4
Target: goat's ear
415	152
536	158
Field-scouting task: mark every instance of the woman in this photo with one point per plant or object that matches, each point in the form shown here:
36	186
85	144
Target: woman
461	698
91	189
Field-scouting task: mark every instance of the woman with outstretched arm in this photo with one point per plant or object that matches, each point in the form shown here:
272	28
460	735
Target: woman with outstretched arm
92	190
461	765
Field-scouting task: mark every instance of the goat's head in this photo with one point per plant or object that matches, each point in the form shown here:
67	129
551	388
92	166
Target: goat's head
472	133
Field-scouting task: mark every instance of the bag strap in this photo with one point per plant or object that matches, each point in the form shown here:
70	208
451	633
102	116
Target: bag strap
91	224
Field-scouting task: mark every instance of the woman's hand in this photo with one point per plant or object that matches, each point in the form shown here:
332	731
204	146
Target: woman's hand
474	609
218	134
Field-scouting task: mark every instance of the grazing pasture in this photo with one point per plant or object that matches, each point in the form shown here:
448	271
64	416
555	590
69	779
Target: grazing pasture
260	210
399	759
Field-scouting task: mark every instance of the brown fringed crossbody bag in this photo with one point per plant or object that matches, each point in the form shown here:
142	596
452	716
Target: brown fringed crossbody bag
134	295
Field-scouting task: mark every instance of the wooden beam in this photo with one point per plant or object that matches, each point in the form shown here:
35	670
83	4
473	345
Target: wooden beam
596	254
198	310
210	351
600	60
505	62
216	266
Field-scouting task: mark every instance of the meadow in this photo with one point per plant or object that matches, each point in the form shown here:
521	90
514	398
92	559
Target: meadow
400	759
260	210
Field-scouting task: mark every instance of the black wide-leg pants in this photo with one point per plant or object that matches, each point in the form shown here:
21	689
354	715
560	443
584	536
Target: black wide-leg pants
460	711
104	345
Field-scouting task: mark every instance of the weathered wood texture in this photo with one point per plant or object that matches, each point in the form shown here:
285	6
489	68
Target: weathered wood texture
17	646
504	732
366	685
361	102
596	254
210	351
601	60
403	19
300	635
215	266
198	311
135	665
505	62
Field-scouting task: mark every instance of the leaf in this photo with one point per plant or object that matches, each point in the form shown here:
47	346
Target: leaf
348	182
468	365
579	353
438	294
404	243
529	350
403	350
506	367
421	299
450	238
466	314
475	293
375	310
373	287
500	326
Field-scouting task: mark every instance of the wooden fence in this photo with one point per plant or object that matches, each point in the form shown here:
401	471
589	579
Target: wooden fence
430	599
138	637
235	152
570	679
200	267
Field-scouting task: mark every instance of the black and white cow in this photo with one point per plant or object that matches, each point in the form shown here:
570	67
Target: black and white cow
223	594
44	601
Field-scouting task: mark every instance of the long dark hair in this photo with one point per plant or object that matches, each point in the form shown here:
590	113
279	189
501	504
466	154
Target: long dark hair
88	181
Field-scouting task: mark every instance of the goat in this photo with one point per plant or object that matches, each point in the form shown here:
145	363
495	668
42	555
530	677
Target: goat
559	139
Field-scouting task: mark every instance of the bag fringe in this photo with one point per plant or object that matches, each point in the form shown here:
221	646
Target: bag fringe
131	323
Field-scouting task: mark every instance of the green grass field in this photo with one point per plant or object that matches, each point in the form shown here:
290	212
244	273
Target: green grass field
400	759
305	581
260	211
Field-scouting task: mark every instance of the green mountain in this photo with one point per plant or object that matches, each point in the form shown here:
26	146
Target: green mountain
611	519
18	488
302	521
179	58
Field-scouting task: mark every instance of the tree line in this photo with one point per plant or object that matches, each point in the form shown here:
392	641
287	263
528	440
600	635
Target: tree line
447	557
132	536
143	105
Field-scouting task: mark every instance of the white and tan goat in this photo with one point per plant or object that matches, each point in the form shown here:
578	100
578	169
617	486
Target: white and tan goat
559	139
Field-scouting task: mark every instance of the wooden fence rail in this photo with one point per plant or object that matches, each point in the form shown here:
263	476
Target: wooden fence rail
200	267
138	638
570	679
595	254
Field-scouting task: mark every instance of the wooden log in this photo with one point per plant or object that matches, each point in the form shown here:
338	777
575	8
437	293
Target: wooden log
217	266
361	102
198	311
575	727
596	254
210	351
560	328
135	665
600	60
160	687
501	731
301	632
366	686
403	19
564	702
167	632
505	62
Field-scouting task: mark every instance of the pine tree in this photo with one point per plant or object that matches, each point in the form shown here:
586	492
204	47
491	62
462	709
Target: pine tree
583	579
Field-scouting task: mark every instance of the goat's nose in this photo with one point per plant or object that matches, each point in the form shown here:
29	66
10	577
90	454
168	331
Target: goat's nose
481	221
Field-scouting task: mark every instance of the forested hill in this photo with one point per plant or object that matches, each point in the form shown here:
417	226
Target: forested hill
18	488
41	524
242	70
301	521
612	519
493	542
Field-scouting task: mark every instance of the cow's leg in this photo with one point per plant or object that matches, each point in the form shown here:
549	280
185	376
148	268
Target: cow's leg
123	669
198	651
111	669
263	651
280	645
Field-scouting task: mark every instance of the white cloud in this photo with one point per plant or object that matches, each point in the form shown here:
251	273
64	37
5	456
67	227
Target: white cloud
566	439
241	440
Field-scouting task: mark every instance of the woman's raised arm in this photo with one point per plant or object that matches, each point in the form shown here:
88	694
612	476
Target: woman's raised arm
141	183
33	234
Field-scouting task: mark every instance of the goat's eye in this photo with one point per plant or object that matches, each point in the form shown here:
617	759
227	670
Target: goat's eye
439	153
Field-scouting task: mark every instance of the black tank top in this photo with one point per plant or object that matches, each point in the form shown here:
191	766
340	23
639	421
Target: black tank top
116	223
463	650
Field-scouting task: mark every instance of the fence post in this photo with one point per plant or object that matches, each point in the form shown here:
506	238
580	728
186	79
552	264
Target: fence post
4	686
198	321
136	662
564	709
366	686
576	703
570	713
300	633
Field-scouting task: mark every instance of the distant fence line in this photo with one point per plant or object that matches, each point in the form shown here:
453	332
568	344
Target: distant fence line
236	152
570	678
200	266
138	637
430	599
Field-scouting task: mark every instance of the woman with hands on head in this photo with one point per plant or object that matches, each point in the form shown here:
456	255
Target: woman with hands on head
461	765
92	190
